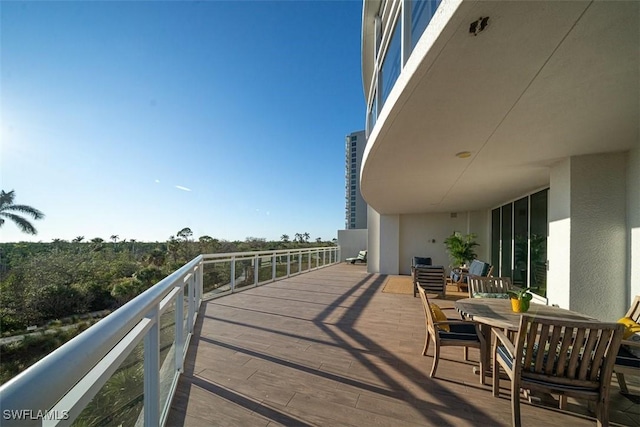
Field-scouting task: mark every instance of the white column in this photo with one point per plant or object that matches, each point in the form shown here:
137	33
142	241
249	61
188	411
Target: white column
383	243
588	235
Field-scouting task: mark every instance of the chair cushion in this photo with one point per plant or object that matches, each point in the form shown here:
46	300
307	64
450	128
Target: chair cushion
421	261
626	358
503	354
490	295
463	332
478	268
439	316
633	349
631	327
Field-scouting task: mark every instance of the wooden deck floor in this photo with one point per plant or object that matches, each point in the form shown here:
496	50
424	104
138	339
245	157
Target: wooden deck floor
328	348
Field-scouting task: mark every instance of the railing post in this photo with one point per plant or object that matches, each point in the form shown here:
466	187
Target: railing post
233	274
300	261
152	371
192	302
179	330
273	267
256	270
288	264
200	284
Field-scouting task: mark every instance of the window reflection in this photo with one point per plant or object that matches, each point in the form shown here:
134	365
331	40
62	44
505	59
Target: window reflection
421	13
392	65
519	241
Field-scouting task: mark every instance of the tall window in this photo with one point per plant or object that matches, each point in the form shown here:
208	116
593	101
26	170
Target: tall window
392	64
519	241
421	13
538	242
506	245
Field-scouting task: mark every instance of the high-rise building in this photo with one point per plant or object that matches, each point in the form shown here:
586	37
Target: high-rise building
355	206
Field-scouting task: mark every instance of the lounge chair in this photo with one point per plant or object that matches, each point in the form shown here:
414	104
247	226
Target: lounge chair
362	257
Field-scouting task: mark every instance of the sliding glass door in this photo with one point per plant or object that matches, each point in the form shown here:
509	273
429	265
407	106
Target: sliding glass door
519	241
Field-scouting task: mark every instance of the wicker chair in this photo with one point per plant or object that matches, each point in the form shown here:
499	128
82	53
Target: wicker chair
460	333
549	356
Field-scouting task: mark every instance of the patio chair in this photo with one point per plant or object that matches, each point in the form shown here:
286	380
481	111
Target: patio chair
449	332
489	287
477	268
418	261
430	278
567	357
628	360
362	257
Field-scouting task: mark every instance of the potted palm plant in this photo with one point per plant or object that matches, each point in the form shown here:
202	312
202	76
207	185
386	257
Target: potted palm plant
460	248
520	299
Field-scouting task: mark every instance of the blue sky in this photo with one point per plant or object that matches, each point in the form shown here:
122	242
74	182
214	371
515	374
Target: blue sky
141	118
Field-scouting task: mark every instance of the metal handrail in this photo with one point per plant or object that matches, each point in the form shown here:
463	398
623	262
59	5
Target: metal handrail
66	380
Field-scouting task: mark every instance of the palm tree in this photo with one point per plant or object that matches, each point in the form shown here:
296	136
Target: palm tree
78	239
285	238
7	209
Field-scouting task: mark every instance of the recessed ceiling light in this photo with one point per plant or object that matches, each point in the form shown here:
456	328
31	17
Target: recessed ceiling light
463	154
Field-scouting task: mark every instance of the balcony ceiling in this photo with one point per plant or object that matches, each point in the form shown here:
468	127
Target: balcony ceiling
544	81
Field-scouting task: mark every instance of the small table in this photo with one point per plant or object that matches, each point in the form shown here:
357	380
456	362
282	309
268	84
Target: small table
497	313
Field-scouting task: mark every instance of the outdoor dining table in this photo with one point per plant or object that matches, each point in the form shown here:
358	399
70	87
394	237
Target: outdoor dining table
497	313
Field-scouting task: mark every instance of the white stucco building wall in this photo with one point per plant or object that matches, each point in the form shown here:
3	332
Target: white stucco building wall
351	242
633	221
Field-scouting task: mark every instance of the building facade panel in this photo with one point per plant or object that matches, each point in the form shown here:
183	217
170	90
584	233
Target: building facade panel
520	118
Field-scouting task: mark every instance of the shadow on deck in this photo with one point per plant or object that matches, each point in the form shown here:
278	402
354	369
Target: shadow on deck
329	348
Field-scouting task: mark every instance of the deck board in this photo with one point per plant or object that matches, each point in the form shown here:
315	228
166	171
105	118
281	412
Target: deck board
328	348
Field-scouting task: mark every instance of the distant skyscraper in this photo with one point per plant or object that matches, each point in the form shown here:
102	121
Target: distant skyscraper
356	207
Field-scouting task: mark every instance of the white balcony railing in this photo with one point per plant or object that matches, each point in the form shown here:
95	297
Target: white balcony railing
124	369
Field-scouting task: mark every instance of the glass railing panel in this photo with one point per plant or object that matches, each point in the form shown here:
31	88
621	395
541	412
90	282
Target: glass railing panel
305	262
281	266
245	272
120	400
216	278
295	264
265	267
167	352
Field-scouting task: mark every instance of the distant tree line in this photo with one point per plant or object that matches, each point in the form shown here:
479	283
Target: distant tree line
41	282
